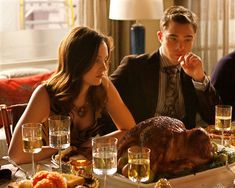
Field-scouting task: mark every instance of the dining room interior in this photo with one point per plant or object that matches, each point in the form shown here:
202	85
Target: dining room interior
32	30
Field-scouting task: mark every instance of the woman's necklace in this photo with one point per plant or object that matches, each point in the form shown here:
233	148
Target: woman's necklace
81	111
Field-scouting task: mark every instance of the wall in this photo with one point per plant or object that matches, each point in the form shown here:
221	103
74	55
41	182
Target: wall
151	41
152	26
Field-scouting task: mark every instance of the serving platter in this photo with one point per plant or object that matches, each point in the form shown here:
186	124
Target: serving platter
210	177
221	177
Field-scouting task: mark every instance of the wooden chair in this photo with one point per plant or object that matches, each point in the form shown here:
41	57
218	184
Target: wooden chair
10	116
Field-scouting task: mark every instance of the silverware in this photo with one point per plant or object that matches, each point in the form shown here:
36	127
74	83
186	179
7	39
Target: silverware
66	168
17	166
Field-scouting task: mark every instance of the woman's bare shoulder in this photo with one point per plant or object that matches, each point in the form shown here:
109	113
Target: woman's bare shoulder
40	91
39	101
40	97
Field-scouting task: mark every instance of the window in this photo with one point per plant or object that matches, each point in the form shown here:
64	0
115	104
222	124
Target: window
31	30
47	14
216	27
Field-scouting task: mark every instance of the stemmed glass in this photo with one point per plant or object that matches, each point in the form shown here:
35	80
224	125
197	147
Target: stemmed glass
139	164
104	156
59	134
223	116
32	140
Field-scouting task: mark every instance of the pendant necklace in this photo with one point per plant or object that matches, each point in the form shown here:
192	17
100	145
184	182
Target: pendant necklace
81	111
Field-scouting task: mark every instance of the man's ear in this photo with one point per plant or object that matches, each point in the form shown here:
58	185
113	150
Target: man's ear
159	36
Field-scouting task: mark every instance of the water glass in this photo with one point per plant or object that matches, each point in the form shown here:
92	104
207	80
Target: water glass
59	134
139	164
223	116
104	156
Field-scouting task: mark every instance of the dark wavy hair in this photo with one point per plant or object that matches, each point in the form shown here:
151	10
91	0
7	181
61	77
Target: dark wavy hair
77	55
178	14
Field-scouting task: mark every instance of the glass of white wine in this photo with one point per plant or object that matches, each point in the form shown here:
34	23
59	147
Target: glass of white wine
104	156
223	116
32	140
59	134
139	164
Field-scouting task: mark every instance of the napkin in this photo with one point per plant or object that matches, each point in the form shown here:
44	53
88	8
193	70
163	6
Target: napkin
5	174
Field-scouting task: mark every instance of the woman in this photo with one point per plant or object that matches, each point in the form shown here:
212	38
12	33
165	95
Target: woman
79	88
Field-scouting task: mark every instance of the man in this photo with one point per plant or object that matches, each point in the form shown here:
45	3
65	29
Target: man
144	83
223	80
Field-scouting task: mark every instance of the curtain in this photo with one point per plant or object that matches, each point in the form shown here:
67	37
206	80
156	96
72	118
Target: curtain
216	23
95	14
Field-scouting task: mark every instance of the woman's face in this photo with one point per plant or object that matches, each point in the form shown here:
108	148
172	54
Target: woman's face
94	76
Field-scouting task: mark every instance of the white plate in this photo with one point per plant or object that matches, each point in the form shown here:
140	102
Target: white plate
220	177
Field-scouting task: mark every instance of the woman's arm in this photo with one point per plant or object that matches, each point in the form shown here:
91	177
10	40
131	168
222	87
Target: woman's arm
118	111
38	110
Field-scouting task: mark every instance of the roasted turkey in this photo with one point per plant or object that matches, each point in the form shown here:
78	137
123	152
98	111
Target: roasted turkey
173	148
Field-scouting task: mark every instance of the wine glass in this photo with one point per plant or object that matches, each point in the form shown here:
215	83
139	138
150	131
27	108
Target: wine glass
104	156
223	115
59	134
139	164
32	140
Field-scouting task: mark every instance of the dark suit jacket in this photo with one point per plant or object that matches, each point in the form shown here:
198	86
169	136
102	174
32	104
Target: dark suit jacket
137	79
223	79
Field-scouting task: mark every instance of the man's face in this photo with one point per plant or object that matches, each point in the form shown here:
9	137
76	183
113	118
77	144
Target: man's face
176	40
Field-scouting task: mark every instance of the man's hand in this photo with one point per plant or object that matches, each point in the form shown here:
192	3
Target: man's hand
192	65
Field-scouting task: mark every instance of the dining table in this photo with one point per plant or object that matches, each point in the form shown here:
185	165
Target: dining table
221	177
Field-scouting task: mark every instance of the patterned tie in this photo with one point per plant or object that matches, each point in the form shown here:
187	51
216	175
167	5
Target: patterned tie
171	91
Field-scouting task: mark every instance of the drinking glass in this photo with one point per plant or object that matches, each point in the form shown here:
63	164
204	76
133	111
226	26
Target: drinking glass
59	134
32	140
223	115
139	164
104	156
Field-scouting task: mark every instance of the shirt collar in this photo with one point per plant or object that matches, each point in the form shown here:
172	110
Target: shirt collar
165	62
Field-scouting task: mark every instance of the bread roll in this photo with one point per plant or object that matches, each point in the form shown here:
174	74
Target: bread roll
25	184
21	184
73	180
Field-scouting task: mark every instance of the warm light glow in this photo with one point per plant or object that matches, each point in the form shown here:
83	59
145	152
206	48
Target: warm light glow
135	9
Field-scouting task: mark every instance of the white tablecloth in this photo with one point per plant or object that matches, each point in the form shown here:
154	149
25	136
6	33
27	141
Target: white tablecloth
221	177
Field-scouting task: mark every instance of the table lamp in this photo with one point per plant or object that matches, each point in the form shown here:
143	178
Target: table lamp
136	10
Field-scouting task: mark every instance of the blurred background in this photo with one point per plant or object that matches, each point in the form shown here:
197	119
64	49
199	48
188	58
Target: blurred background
31	30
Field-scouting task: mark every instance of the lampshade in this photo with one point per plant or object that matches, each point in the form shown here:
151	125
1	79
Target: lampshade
135	9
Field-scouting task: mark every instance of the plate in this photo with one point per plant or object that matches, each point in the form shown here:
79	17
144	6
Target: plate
54	159
92	183
13	185
66	167
210	175
220	177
